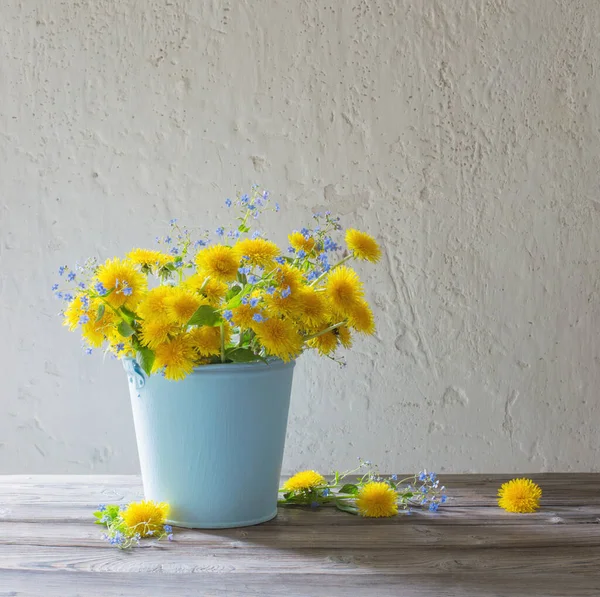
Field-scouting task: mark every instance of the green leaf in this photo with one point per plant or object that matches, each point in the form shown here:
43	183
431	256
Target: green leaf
145	358
346	508
349	488
100	313
233	291
243	355
205	315
128	314
125	329
243	228
109	514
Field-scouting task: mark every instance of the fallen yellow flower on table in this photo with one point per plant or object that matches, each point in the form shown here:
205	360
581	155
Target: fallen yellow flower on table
303	481
519	495
377	500
145	518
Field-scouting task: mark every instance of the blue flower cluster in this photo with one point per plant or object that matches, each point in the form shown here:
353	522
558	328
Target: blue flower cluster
428	492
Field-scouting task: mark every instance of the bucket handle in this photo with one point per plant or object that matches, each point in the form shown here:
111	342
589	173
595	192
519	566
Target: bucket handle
134	372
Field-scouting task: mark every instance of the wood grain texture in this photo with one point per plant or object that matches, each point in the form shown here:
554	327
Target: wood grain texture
50	547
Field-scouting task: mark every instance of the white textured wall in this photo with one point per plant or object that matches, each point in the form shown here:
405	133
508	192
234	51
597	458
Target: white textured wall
463	134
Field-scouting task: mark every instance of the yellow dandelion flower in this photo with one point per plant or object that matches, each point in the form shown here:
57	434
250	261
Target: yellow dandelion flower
301	243
280	338
182	304
258	251
195	281
304	480
287	276
325	343
74	312
149	258
212	289
276	304
361	318
93	334
219	262
344	289
121	347
156	330
309	307
519	495
128	283
176	356
363	245
344	336
145	518
154	303
242	316
207	340
377	499
215	292
96	331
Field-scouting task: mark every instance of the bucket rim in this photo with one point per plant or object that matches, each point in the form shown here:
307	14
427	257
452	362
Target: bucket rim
255	366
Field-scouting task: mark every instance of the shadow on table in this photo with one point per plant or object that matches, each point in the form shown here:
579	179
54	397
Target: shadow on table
416	555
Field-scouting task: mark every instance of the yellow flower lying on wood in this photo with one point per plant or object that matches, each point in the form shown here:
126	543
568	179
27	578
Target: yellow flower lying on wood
125	526
519	495
303	481
377	500
369	493
145	518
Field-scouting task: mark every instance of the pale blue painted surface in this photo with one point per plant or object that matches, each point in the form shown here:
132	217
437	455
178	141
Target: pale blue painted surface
211	445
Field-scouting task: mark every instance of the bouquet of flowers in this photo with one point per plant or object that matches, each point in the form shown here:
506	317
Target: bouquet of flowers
234	299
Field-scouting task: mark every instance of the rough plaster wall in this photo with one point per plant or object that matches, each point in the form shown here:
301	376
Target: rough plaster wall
463	134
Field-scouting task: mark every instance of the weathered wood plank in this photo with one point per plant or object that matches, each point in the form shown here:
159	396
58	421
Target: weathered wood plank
166	558
569	486
287	516
267	584
434	536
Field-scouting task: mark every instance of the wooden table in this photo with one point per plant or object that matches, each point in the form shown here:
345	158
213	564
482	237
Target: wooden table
49	546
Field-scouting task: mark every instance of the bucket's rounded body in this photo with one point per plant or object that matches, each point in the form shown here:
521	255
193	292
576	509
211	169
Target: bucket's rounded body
212	444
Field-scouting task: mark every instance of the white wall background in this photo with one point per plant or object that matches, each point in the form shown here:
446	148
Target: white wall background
464	134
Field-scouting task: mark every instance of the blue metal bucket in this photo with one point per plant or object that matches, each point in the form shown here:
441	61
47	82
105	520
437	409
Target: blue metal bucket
211	445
